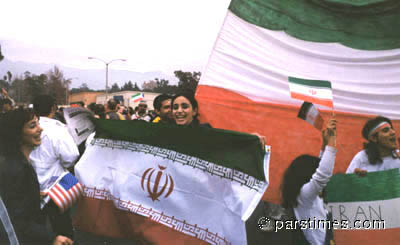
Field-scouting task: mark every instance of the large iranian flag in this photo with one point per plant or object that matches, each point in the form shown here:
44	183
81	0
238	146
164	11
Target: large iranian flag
353	45
370	208
167	184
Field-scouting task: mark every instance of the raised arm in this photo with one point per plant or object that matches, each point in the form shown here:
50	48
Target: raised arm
321	177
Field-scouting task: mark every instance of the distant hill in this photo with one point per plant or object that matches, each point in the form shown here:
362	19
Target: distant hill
94	78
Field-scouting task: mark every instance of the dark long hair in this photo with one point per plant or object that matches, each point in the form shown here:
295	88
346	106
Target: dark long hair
11	130
370	147
189	96
296	175
100	111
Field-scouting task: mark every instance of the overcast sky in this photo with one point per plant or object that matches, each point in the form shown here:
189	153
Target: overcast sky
153	35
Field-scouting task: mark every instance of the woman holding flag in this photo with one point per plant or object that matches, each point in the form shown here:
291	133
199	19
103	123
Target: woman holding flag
303	185
19	187
185	112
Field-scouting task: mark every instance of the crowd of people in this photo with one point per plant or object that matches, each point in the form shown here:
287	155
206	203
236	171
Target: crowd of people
35	145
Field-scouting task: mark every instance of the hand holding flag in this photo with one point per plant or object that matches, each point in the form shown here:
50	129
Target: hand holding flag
329	133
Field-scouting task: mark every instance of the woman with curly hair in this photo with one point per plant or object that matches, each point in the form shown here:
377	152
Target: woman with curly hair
19	187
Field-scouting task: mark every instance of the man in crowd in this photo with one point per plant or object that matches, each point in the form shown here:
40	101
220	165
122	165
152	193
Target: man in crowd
112	110
51	159
162	107
142	112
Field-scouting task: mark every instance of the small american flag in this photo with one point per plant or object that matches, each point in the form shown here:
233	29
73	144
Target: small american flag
66	191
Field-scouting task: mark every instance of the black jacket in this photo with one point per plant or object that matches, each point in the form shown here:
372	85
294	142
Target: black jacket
20	191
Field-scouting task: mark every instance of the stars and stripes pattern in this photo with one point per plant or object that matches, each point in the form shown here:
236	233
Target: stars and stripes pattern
66	191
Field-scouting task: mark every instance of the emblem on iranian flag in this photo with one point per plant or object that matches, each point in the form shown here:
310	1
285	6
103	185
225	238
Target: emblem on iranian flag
154	192
313	91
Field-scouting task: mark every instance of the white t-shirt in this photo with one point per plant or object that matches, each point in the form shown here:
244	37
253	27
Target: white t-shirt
56	153
145	117
361	161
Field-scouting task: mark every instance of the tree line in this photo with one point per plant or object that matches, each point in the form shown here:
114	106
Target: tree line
186	81
23	88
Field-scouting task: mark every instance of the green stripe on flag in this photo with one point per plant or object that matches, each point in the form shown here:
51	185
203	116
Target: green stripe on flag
381	185
230	149
365	24
357	2
312	83
136	95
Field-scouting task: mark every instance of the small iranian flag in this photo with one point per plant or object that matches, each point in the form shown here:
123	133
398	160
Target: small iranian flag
315	91
309	113
137	97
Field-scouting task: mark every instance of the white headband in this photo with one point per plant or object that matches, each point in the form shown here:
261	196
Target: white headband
374	130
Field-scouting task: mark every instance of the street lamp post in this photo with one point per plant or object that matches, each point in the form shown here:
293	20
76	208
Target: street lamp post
67	88
106	63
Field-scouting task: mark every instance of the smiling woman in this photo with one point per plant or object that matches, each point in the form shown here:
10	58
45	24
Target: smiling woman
379	150
185	110
20	133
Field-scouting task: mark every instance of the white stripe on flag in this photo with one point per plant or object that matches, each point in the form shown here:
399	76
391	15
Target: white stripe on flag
264	59
359	212
316	92
66	194
75	192
80	187
72	193
62	198
56	199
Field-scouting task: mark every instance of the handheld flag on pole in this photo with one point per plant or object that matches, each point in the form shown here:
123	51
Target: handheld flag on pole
313	91
309	113
66	191
137	97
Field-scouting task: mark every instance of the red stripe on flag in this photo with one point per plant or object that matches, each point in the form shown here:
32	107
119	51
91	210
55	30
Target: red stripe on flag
67	199
55	199
328	103
368	237
122	224
80	188
75	192
73	195
60	201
